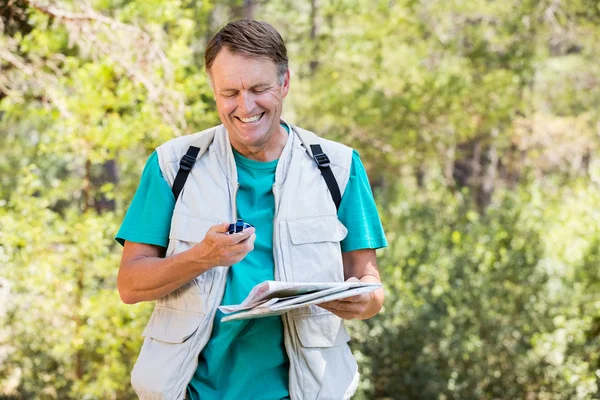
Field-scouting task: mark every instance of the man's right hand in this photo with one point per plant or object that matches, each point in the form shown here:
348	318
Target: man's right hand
146	275
218	248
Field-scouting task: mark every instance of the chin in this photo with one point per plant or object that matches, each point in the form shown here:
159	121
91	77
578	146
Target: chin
252	133
253	140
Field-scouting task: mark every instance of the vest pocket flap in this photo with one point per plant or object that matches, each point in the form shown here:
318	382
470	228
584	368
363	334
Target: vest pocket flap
172	326
316	229
188	228
320	330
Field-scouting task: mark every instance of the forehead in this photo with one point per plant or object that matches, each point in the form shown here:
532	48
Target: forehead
235	70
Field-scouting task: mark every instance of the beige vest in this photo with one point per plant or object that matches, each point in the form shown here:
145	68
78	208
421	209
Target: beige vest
306	248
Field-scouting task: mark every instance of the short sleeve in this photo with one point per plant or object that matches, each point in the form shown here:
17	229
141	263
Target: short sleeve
148	218
358	211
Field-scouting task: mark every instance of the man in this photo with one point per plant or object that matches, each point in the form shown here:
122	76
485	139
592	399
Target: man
177	251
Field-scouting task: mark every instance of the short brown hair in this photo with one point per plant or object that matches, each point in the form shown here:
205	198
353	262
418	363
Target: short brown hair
253	39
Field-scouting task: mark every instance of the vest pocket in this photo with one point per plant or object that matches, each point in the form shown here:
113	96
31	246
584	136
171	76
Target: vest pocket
322	329
166	352
172	326
315	252
190	229
326	368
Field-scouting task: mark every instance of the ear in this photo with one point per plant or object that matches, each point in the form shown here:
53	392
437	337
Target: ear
285	88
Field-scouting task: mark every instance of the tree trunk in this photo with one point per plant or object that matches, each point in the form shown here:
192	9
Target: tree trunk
314	62
250	9
109	175
476	167
488	181
246	10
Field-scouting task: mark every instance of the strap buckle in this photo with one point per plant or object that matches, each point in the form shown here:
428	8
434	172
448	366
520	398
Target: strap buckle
187	162
322	160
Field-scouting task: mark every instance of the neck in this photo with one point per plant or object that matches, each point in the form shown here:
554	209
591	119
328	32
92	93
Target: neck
270	151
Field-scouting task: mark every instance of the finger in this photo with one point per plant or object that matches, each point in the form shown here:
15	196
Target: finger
359	298
241	251
341	314
244	246
345	306
346	315
239	237
327	306
250	240
335	305
235	238
353	279
220	228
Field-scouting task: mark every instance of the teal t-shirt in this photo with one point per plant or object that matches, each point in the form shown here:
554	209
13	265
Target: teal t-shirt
247	358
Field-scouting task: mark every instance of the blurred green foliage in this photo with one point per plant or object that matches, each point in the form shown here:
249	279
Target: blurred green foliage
479	125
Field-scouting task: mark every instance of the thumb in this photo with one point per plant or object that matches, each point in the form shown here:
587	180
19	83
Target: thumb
220	228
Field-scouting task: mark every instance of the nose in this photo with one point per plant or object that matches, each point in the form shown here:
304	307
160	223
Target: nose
245	102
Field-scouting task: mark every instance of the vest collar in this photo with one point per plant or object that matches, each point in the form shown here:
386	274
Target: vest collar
221	147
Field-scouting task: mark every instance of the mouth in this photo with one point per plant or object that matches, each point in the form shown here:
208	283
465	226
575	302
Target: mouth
252	119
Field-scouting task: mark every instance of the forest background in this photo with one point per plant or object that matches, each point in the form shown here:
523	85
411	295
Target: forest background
478	122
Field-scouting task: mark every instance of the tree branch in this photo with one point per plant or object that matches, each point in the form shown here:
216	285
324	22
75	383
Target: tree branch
91	28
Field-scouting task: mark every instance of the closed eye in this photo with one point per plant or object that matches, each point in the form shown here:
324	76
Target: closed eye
260	89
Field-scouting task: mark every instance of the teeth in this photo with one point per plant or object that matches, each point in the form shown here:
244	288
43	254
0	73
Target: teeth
251	119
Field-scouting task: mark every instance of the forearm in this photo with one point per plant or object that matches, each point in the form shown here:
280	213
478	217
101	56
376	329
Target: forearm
147	278
362	265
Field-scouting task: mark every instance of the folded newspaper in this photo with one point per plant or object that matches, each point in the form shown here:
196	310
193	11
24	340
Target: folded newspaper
275	298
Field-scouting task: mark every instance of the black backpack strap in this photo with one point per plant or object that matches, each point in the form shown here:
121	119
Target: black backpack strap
323	163
185	166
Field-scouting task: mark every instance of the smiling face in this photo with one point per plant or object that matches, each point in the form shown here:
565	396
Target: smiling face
249	102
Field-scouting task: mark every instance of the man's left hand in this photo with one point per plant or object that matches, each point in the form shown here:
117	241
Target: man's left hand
353	307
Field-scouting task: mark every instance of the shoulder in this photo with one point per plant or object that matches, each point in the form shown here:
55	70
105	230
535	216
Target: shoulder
170	153
175	148
357	165
339	154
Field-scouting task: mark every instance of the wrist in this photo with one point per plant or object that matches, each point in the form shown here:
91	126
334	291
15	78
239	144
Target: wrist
196	262
376	297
